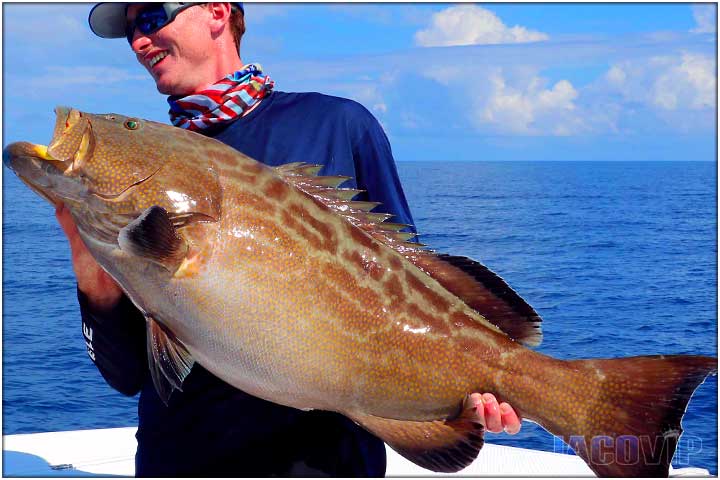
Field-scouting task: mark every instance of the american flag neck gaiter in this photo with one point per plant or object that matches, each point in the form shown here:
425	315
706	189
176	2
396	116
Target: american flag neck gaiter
224	101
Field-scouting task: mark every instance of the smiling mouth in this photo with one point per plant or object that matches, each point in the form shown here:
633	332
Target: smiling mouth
157	58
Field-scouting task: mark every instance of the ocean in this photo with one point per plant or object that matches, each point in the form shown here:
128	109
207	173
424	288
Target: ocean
619	258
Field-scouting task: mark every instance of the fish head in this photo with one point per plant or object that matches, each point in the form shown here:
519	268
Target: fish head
113	165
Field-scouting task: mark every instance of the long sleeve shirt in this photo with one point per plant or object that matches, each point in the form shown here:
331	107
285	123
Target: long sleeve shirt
211	428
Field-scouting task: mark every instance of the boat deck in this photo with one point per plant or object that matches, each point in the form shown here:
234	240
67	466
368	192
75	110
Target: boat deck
107	452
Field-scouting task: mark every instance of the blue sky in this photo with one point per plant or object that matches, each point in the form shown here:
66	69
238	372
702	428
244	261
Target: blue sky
447	81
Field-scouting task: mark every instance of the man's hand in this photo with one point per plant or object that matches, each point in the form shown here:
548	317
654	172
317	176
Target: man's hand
495	417
102	291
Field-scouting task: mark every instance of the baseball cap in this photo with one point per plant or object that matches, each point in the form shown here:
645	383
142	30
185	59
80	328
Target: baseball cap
107	19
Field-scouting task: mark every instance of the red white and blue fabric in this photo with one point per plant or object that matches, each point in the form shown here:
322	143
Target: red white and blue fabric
230	98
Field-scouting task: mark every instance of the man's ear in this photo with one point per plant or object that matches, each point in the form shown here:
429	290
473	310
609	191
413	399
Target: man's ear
220	15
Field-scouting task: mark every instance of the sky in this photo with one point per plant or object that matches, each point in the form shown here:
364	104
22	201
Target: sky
448	82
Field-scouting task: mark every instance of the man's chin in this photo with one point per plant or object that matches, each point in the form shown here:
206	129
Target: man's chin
173	90
168	90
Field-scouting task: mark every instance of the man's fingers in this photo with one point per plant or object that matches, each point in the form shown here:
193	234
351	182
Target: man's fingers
92	280
477	403
495	417
67	223
509	419
493	421
77	247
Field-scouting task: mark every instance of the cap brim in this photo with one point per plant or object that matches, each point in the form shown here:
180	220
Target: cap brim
107	20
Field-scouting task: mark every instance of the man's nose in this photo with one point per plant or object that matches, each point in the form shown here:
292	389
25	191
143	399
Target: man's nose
140	42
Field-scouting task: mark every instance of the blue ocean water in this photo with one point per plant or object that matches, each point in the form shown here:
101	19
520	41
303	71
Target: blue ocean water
619	258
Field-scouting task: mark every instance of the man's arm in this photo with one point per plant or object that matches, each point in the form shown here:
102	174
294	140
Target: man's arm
377	174
113	328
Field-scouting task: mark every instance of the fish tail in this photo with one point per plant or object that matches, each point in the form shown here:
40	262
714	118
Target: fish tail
627	416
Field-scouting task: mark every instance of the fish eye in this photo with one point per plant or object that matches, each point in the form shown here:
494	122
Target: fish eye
132	124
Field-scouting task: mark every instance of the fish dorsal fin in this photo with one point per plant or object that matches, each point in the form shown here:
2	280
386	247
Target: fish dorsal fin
325	190
472	282
485	292
445	446
169	360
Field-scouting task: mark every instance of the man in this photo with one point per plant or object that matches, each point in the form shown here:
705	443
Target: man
211	428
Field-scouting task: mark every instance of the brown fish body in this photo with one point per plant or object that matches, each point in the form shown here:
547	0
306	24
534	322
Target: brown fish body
356	328
276	283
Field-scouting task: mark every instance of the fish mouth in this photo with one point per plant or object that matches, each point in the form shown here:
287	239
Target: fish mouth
52	171
43	173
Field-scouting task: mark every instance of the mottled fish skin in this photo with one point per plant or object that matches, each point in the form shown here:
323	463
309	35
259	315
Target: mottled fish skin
279	295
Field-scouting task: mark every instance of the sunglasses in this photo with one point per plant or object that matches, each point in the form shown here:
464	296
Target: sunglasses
154	17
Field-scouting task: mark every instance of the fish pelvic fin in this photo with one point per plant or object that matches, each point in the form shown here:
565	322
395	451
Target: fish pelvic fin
445	446
153	236
169	360
631	423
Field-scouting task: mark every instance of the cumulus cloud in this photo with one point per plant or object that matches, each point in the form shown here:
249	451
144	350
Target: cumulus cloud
705	16
689	82
668	82
531	107
472	25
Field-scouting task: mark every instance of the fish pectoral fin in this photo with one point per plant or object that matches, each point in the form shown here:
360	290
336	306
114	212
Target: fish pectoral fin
169	360
440	445
154	237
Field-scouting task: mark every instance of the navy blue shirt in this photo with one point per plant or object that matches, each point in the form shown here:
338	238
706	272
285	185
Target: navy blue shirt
210	428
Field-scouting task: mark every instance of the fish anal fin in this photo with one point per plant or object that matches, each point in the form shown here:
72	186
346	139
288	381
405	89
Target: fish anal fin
153	236
485	292
445	446
169	360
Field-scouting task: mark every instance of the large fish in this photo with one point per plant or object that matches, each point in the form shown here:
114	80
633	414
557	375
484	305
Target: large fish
277	282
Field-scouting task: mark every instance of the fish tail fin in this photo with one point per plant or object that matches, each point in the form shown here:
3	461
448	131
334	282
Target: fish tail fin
630	425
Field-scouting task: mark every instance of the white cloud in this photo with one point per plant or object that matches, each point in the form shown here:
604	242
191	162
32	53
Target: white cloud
616	75
705	15
472	25
689	83
668	82
529	107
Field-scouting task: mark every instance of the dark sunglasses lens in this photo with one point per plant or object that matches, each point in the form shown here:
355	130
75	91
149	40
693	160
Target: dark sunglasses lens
149	20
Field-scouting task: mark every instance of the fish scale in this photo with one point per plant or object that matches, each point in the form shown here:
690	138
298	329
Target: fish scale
278	283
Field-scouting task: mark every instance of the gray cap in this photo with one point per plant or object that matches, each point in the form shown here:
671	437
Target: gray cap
108	19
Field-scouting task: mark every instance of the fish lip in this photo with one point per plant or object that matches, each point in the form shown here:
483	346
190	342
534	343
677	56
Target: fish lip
39	166
35	153
35	167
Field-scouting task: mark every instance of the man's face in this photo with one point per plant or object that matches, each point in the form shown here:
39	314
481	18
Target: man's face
177	54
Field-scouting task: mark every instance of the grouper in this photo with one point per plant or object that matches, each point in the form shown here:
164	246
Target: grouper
280	284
